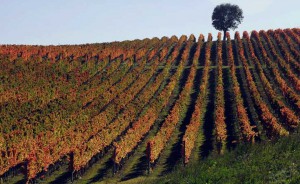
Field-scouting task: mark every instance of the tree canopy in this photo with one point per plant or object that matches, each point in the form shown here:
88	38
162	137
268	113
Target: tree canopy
227	16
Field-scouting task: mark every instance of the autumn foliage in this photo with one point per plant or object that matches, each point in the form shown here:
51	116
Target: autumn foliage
78	101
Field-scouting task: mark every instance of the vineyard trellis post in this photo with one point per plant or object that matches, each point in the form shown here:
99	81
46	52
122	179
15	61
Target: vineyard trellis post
26	170
220	148
71	165
72	176
148	150
28	179
114	161
183	153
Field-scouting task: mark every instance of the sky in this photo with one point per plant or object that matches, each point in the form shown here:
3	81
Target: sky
53	22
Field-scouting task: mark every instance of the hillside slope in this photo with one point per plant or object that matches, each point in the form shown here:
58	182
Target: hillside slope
117	111
267	162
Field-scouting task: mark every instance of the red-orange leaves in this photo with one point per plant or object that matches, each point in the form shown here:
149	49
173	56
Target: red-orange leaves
221	132
267	117
246	129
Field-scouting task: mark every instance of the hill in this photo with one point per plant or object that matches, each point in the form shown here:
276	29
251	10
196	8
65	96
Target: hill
116	111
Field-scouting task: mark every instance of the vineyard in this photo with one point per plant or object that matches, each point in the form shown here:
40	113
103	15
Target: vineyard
121	110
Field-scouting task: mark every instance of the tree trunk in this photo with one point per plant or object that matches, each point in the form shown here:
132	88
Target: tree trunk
224	36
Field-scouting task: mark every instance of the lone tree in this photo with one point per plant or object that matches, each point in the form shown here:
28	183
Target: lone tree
227	16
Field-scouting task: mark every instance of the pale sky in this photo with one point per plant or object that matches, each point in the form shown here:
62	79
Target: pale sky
93	21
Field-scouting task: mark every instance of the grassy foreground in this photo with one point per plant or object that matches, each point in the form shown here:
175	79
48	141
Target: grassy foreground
276	161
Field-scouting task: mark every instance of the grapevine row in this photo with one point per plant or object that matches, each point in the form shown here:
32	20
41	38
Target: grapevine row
244	122
158	142
192	128
286	54
48	142
267	117
113	129
294	36
288	37
286	90
285	66
220	125
288	115
140	127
